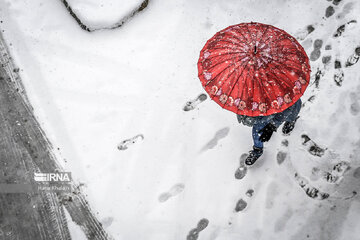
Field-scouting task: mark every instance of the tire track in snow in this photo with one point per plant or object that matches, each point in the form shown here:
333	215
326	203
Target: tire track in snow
24	149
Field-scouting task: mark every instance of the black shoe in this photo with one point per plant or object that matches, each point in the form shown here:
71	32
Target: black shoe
288	127
253	156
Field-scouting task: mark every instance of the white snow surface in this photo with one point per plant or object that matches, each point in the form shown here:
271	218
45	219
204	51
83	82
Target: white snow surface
91	91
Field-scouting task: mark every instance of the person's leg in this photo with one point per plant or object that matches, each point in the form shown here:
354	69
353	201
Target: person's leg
256	135
295	109
290	118
257	150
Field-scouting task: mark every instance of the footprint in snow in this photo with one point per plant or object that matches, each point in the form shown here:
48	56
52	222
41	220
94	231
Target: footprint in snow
348	7
194	233
341	29
191	105
303	33
249	192
220	134
329	11
175	190
312	147
355	105
241	171
280	224
128	142
354	58
319	73
355	102
202	224
315	54
334	176
310	190
106	222
340	168
338	73
281	155
317	44
271	192
327	58
240	205
338	70
356	173
336	2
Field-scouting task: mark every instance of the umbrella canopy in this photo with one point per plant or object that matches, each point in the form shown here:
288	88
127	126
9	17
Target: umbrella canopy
254	69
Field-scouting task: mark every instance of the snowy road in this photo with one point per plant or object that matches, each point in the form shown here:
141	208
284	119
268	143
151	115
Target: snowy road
24	149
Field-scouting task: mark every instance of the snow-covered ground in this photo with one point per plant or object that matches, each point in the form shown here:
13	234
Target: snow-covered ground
91	91
102	13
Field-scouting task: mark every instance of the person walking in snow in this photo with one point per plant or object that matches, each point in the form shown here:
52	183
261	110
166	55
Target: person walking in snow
259	72
264	126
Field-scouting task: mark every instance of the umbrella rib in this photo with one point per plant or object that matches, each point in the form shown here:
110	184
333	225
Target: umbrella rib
273	41
246	85
222	40
281	86
219	63
289	47
243	88
286	36
257	35
294	67
246	82
228	77
275	62
279	79
285	66
275	78
247	27
283	50
236	36
222	54
219	74
291	60
227	44
263	89
220	87
243	65
222	60
261	40
245	39
220	48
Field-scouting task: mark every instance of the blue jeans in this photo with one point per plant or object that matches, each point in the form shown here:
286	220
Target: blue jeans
289	115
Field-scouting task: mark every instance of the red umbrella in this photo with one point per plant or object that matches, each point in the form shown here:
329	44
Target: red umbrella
254	69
